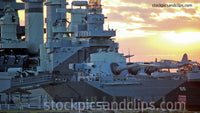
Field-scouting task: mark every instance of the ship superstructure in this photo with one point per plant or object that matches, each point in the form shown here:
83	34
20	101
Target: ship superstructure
28	57
74	44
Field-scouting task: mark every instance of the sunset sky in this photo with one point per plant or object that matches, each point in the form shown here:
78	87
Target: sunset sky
154	32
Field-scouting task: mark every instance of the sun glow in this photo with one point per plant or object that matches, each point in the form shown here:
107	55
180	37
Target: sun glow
183	37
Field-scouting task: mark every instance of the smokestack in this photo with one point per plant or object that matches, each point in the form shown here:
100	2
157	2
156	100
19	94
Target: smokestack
34	24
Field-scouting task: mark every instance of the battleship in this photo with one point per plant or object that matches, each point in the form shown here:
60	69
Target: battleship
78	60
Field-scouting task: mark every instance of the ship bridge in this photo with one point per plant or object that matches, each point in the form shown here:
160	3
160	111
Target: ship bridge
94	27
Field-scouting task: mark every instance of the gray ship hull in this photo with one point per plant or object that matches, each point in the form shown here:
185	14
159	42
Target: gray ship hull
146	90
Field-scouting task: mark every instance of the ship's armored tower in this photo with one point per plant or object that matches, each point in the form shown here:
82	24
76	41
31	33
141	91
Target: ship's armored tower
34	24
77	14
56	21
10	3
10	44
52	6
16	7
8	25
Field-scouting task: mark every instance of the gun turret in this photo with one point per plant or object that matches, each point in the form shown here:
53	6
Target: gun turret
133	68
116	69
150	70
